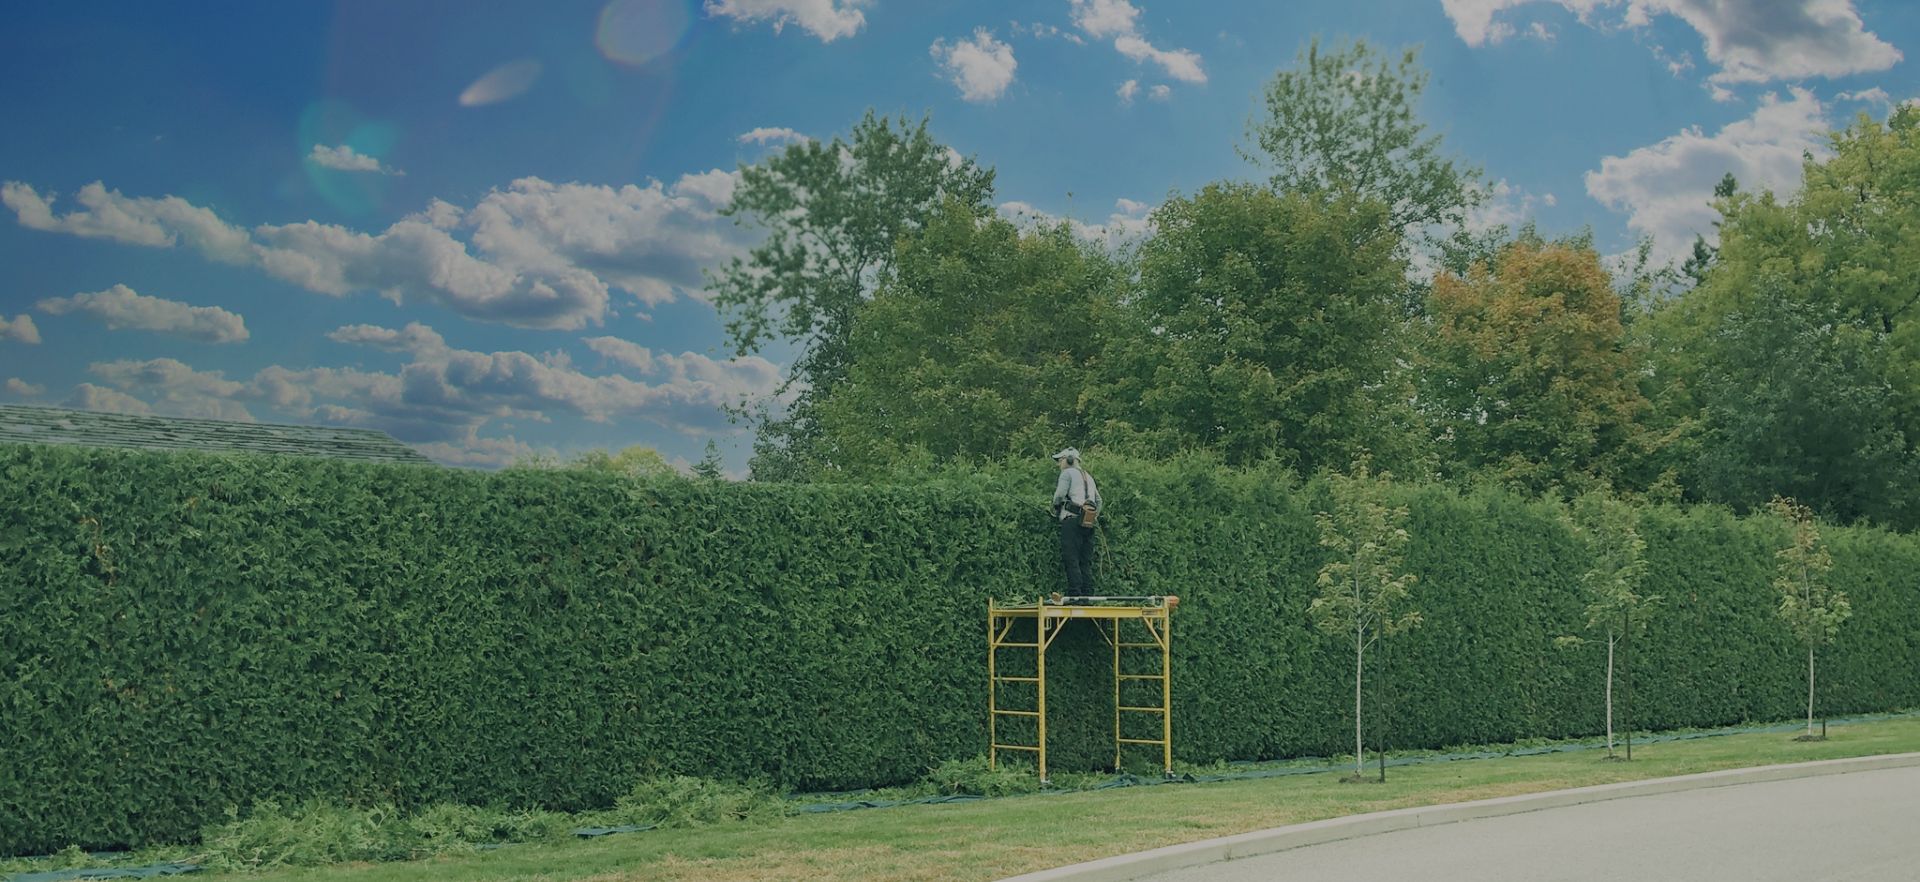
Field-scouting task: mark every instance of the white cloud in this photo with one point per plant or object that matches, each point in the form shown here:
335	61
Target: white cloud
343	158
157	223
1503	204
415	338
1047	31
537	255
121	307
623	352
1751	41
827	19
651	241
772	135
1105	18
87	396
1550	199
982	67
176	388
1875	96
1665	188
683	390
1127	224
1180	64
1127	90
1160	93
19	329
22	388
443	398
1120	20
474	451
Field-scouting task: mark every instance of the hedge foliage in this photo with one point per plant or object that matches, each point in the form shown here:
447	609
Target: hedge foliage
180	633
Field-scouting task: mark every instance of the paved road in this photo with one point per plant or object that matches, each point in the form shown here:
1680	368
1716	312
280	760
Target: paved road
1856	827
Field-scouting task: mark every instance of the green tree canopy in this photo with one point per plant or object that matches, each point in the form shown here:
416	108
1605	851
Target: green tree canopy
1345	121
1268	329
983	342
832	213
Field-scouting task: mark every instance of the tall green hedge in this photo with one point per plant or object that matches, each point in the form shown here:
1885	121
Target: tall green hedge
180	633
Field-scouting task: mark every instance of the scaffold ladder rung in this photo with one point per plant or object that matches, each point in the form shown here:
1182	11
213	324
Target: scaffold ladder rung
1023	747
1016	645
1016	713
1142	676
1016	679
1146	710
1139	741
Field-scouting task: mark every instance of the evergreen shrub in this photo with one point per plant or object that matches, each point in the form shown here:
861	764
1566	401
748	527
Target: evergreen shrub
184	633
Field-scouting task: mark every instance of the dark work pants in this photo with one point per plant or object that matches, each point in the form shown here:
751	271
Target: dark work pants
1076	551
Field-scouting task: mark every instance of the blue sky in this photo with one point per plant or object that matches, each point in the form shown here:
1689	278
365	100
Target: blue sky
483	232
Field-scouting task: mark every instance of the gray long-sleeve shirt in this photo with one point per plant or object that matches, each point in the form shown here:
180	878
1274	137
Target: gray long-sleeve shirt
1075	486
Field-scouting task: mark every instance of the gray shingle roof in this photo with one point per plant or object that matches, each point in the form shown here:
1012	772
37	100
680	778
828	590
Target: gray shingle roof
32	424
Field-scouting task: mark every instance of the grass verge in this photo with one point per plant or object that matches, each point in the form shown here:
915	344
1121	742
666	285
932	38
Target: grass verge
992	839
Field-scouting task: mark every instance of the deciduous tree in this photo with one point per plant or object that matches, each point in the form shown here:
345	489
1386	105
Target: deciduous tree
1809	605
1365	591
1611	582
832	213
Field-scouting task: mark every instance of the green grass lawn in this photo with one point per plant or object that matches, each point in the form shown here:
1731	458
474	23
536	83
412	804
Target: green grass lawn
991	839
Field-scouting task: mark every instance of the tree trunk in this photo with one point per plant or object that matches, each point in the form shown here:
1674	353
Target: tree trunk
1610	641
1809	690
1359	751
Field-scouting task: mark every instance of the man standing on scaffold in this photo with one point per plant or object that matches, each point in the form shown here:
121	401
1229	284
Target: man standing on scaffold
1076	500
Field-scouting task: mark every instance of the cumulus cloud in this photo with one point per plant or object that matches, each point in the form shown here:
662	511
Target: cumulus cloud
623	352
827	19
772	135
1666	187
343	158
415	337
105	214
1045	31
1105	18
1180	64
172	387
1751	41
443	399
1127	91
120	307
1160	93
1128	223
22	388
536	255
1120	20
19	329
982	67
475	451
87	396
1875	96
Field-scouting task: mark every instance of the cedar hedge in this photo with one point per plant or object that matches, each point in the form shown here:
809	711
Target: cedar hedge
180	633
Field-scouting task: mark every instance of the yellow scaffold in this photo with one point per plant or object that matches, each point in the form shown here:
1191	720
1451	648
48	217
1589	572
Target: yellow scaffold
1109	615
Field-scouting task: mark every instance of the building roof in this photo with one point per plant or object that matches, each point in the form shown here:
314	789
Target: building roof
32	424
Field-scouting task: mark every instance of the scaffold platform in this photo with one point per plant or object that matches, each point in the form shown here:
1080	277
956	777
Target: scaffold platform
1110	615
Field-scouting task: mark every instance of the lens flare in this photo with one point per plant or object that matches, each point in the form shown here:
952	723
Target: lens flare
501	83
334	122
634	32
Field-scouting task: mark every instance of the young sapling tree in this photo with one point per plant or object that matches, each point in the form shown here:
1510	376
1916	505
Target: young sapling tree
1365	593
1809	605
1617	565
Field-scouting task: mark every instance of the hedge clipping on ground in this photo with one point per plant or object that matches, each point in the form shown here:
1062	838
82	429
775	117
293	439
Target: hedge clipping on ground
180	633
